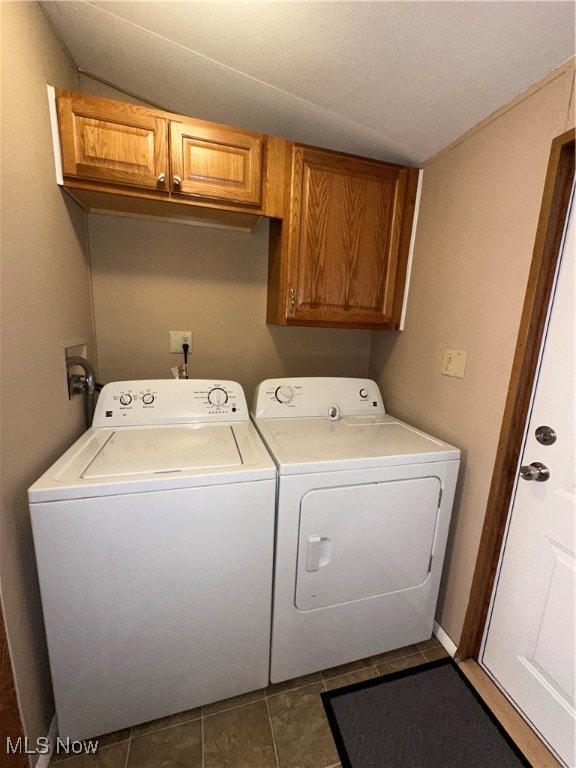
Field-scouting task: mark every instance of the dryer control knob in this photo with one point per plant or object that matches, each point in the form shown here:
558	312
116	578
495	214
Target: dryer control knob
283	394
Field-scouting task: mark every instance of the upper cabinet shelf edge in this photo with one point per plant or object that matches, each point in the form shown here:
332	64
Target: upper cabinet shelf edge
112	148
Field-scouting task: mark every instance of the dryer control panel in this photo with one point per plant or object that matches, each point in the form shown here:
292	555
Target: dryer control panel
331	397
167	401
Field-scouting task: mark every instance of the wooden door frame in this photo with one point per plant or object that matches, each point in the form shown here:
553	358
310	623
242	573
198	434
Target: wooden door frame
553	213
10	722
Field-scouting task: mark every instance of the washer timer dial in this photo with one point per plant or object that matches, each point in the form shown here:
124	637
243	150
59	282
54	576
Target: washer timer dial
125	399
284	394
218	397
148	398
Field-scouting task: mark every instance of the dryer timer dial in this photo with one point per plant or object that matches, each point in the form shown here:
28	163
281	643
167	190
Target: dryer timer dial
284	394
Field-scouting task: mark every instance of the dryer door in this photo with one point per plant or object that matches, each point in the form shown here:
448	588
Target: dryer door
360	541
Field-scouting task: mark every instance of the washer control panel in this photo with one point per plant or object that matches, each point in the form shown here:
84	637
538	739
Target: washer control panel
166	401
316	396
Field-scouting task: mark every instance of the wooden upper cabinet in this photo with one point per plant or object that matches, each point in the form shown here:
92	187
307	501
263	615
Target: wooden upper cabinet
108	141
216	163
339	259
340	225
119	156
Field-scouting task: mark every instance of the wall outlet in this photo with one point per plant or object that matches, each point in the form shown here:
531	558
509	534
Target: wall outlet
454	363
177	338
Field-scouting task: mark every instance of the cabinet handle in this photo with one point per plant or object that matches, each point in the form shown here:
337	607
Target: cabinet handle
161	177
292	300
177	180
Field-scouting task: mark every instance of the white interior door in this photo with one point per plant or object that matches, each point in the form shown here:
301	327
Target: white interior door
529	645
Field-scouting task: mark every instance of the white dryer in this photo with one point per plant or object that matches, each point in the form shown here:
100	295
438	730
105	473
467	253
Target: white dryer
363	510
154	544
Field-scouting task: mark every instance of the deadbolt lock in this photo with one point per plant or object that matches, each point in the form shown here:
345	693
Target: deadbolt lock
546	435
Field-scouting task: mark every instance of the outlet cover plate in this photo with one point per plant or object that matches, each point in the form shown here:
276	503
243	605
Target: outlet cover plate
177	338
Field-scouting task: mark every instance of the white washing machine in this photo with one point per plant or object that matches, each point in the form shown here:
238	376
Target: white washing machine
363	510
154	544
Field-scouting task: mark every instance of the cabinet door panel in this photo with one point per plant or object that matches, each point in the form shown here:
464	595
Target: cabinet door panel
216	164
107	141
344	241
347	221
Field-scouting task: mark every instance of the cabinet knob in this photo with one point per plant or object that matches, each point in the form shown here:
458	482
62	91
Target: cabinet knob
177	180
161	177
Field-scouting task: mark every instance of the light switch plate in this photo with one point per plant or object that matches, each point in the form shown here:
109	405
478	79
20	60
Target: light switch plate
454	363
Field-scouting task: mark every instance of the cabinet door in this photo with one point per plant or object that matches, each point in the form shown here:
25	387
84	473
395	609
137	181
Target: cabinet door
350	223
109	141
216	163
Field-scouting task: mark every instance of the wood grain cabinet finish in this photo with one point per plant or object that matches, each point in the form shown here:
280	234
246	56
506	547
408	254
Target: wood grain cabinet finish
339	257
216	163
122	157
112	142
340	224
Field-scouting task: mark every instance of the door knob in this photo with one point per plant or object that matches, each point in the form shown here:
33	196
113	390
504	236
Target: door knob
535	471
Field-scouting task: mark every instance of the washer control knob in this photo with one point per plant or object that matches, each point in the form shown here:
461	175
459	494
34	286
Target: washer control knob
148	398
125	399
217	396
283	394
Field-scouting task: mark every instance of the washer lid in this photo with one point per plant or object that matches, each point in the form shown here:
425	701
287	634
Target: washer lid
153	451
353	442
106	462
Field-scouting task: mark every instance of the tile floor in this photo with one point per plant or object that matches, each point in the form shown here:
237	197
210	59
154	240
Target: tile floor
282	726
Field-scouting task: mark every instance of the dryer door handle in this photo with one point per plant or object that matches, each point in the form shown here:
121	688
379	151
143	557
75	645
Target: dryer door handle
318	551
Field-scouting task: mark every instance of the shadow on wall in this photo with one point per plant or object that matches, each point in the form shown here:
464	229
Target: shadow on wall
151	277
463	475
320	351
382	348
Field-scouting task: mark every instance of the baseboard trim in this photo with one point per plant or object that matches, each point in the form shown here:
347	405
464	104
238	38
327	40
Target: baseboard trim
526	739
44	760
445	641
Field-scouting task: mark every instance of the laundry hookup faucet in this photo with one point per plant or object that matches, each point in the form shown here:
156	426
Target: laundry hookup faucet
79	384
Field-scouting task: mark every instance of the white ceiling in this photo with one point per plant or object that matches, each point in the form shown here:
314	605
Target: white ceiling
386	79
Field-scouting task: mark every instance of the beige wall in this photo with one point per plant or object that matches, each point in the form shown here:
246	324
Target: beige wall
478	217
150	277
45	299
